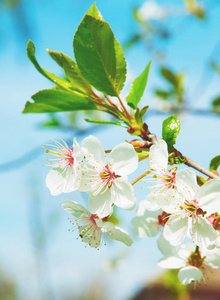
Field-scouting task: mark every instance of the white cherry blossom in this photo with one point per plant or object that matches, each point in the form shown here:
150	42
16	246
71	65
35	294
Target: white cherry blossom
163	181
149	223
150	10
108	181
92	229
192	263
65	173
188	209
214	220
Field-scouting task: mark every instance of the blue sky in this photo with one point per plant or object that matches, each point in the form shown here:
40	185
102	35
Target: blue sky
68	264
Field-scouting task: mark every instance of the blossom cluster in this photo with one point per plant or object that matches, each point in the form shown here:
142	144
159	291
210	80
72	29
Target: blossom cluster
177	207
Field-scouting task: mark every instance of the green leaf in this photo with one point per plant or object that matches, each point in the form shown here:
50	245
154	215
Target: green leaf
162	94
215	67
99	56
55	79
94	12
119	55
170	131
169	76
71	71
106	122
216	102
52	122
137	88
58	100
133	40
215	163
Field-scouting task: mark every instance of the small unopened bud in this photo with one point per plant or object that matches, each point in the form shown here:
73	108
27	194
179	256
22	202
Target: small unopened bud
139	144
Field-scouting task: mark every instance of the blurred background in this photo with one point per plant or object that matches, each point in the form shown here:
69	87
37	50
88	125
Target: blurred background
39	258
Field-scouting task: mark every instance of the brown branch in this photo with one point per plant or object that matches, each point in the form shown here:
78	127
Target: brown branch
146	135
189	162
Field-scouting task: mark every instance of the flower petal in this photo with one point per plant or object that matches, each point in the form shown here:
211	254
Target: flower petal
75	209
158	156
186	249
176	229
209	196
123	159
123	194
143	211
168	201
213	258
203	234
172	262
101	204
59	181
89	178
77	152
116	233
145	227
165	247
217	242
94	151
186	183
189	274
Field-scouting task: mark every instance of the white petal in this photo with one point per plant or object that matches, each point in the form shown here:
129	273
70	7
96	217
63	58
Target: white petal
158	156
89	178
116	233
77	152
186	183
63	182
143	211
176	229
151	200
165	247
123	194
75	209
145	227
209	196
217	242
101	204
203	234
213	258
186	249
168	201
172	262
189	274
123	159
94	151
91	235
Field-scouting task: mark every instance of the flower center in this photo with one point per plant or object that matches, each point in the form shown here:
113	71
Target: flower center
163	218
195	259
168	179
64	155
107	175
89	231
192	208
214	220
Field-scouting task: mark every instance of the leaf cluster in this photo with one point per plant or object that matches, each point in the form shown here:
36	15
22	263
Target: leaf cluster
100	66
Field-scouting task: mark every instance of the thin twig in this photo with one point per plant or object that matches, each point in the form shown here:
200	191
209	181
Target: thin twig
142	158
189	162
140	177
124	108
